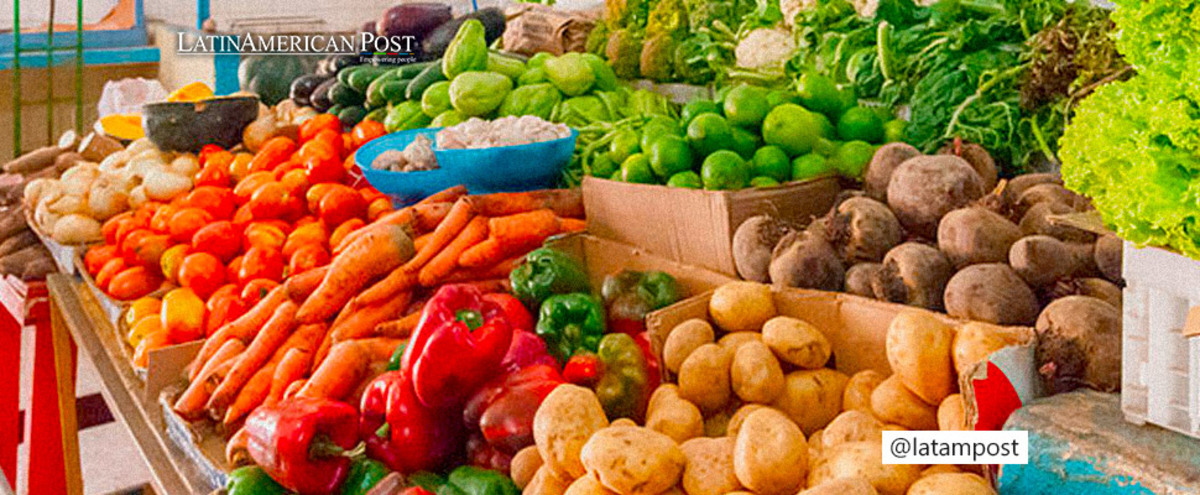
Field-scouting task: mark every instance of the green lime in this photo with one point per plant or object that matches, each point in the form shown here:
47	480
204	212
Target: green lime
792	128
847	99
745	142
658	125
827	129
709	132
637	169
689	180
895	130
617	176
697	107
771	161
809	166
852	158
670	155
625	143
746	106
826	147
860	124
602	165
763	182
724	170
819	93
778	97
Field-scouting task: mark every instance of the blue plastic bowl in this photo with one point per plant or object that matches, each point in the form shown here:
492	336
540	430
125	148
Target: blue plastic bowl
519	168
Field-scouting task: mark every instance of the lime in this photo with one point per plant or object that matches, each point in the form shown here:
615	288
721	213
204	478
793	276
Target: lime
616	176
763	182
852	158
847	99
669	155
625	143
636	169
744	142
778	97
819	93
809	166
658	125
860	124
771	161
792	128
602	165
826	148
724	170
697	107
746	106
827	129
689	180
709	132
894	130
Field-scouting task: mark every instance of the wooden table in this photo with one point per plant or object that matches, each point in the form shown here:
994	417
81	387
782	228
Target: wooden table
77	317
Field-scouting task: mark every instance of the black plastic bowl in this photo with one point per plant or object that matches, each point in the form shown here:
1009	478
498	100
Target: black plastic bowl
186	126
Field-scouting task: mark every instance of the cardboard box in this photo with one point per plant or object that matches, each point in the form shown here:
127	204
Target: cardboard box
603	257
691	226
857	330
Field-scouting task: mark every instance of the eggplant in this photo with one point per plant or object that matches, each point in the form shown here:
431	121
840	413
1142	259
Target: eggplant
320	96
412	19
434	45
303	87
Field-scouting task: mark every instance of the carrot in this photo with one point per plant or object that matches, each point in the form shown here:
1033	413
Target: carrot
490	286
339	373
243	328
191	402
362	323
380	349
396	282
256	390
481	254
448	195
498	270
566	225
237	451
428	216
524	228
299	287
564	202
374	254
272	335
421	241
460	215
401	328
294	388
292	367
446	260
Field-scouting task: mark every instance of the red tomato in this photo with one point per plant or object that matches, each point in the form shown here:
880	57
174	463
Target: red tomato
311	234
365	131
311	127
208	151
232	269
223	306
322	169
133	283
318	149
112	225
341	205
149	251
256	290
370	194
219	238
202	272
296	182
339	234
264	235
306	258
248	185
269	201
317	192
242	217
216	201
97	256
261	263
108	271
128	247
161	221
213	174
379	208
185	222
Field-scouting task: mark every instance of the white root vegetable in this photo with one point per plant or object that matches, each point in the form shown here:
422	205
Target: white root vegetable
163	185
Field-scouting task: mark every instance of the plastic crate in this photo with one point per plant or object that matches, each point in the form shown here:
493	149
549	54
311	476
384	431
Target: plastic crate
1160	370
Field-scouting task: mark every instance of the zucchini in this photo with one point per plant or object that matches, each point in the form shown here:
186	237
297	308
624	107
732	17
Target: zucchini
411	70
361	78
336	109
320	96
374	98
351	116
424	80
393	92
344	95
377	115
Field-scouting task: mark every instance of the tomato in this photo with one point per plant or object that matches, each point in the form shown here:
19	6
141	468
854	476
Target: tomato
128	247
287	166
311	127
149	251
313	234
141	309
112	225
108	271
133	283
182	315
339	234
240	167
304	220
208	151
269	201
223	306
242	217
145	325
264	235
161	220
216	201
219	238
97	256
341	205
247	186
213	174
153	341
370	194
306	258
202	272
171	259
323	169
272	153
232	269
317	192
379	208
296	182
185	222
365	131
255	290
261	263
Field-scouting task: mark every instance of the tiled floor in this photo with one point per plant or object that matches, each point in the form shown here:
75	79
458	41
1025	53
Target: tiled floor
110	459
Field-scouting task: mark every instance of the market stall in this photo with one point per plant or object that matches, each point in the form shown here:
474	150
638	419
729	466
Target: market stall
673	247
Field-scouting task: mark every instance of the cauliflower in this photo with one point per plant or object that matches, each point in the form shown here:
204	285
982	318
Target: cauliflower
766	48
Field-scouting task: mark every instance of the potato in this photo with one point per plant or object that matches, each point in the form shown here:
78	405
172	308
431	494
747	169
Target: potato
851	426
859	279
709	468
864	460
925	188
918	349
892	402
863	230
812	398
525	465
633	460
797	342
587	485
546	482
975	341
717	424
815	446
956	483
755	374
732	341
806	260
857	396
623	422
1079	345
568	416
704	377
672	416
940	468
770	456
753	243
975	235
914	274
684	339
991	293
739	417
842	486
879	171
741	306
952	414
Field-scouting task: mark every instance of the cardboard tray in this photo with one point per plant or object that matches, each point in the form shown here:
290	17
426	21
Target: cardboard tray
603	257
691	226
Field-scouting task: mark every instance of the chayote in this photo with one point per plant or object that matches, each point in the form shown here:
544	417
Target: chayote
468	50
478	93
536	99
570	73
606	78
436	99
406	116
448	118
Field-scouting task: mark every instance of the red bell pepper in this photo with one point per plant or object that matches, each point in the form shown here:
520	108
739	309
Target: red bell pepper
304	444
402	432
527	349
459	342
502	411
518	317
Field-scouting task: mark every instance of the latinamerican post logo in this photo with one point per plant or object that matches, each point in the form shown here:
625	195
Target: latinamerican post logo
384	48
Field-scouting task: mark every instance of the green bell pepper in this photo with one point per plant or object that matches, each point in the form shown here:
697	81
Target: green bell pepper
406	116
427	480
468	50
630	296
436	99
622	389
536	99
478	93
252	480
509	66
471	480
606	78
448	118
570	323
546	272
570	73
364	475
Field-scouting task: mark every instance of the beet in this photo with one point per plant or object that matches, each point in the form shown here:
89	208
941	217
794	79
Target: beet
863	229
991	293
1079	345
879	171
973	235
1108	254
914	274
753	243
925	188
859	279
976	156
805	260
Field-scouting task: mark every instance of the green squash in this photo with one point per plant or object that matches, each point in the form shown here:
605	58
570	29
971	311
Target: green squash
271	76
